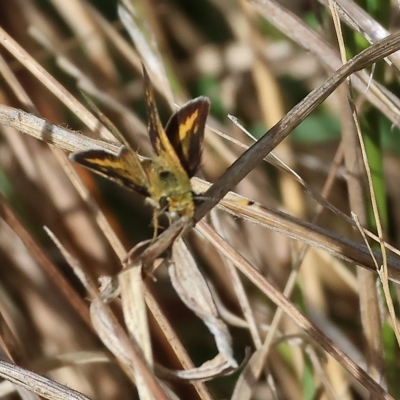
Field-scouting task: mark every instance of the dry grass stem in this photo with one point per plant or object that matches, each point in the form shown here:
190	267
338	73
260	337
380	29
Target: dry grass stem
279	278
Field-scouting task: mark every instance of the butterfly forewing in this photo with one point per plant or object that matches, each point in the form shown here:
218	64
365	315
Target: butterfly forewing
158	138
124	168
183	136
185	132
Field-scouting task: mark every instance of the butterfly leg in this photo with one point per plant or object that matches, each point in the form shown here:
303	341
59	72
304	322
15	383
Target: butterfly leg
155	225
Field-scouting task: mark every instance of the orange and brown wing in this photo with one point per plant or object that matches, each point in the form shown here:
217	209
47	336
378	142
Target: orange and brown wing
181	141
124	168
185	132
157	135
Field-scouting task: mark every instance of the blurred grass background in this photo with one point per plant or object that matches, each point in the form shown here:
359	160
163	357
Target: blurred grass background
248	67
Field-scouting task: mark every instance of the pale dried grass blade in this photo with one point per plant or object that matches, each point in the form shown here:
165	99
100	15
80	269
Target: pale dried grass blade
75	358
274	160
249	160
370	296
239	289
384	279
193	290
163	242
126	351
304	36
281	301
146	46
11	219
206	371
43	130
227	315
297	229
118	41
38	384
14	84
177	346
134	309
53	85
7	388
362	22
79	17
249	377
88	85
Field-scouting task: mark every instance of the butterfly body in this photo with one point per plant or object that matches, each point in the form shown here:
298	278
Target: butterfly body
170	189
164	179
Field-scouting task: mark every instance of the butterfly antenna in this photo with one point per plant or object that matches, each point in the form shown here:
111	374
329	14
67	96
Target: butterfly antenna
106	121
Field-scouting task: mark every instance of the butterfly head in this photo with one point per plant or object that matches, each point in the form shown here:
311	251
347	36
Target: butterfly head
179	205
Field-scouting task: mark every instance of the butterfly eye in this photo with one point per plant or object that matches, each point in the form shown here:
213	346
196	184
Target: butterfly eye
165	175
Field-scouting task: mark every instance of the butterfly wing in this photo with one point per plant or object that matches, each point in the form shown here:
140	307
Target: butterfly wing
181	141
185	132
124	168
158	138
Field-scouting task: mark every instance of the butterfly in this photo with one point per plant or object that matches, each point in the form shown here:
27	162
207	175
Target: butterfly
164	179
